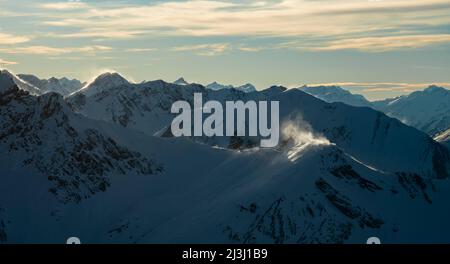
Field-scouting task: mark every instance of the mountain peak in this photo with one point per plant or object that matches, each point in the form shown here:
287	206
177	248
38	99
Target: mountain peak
63	86
21	84
277	88
325	89
426	110
246	88
334	93
215	86
434	88
181	81
53	79
103	82
273	90
109	78
6	81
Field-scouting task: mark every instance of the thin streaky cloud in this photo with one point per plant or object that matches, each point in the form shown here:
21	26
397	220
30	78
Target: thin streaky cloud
368	44
380	44
7	62
407	88
141	49
251	49
100	33
285	18
8	39
69	5
45	50
385	7
205	49
307	20
7	13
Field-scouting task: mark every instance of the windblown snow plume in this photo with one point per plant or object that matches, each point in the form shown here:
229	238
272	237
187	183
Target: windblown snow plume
297	136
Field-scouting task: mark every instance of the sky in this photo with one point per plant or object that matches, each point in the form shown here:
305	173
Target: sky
378	48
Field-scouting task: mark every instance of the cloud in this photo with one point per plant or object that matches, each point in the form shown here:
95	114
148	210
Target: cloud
7	39
141	49
205	49
401	87
251	49
7	13
45	50
7	63
272	18
380	44
308	25
69	5
99	33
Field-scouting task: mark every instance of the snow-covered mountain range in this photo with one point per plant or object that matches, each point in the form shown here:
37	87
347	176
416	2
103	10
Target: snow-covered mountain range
246	88
21	84
62	86
333	94
427	110
102	83
37	86
101	165
44	134
215	86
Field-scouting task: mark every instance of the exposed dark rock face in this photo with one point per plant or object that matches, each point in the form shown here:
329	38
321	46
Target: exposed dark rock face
415	185
347	173
335	163
290	221
77	162
87	165
236	142
345	206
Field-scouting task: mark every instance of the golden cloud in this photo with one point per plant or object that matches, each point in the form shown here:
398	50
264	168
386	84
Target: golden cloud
205	49
45	50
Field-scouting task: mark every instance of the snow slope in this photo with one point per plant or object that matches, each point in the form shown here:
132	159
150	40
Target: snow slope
444	138
341	175
46	135
215	195
370	136
427	110
377	140
62	86
247	88
181	81
103	83
6	82
333	94
143	107
22	84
